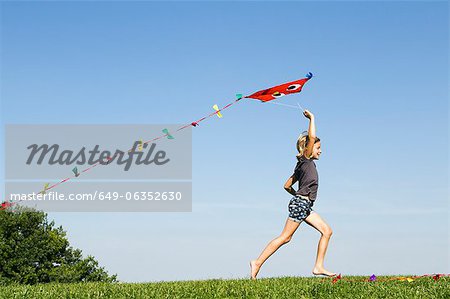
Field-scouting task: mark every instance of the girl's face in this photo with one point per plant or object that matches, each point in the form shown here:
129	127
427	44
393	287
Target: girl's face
316	151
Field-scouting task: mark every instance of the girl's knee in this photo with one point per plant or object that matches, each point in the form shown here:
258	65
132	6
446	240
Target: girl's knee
285	239
327	232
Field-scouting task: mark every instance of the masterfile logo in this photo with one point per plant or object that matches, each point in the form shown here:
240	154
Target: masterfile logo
99	167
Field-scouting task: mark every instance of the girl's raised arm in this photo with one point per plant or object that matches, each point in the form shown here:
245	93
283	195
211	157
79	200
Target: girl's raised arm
311	133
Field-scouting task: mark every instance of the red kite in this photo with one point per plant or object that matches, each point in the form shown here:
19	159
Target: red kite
278	91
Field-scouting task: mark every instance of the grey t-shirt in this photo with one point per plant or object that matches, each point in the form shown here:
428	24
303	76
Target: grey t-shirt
308	179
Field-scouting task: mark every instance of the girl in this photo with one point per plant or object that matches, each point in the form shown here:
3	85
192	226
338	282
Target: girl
300	206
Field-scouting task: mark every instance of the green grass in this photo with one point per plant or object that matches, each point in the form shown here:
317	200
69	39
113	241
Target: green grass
284	287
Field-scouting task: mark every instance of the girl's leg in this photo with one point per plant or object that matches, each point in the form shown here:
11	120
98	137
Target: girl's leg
286	235
317	222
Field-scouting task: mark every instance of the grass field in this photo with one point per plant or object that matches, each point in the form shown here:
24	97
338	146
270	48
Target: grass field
284	287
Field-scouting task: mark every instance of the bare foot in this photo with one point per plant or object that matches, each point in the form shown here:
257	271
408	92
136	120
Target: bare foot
254	268
322	271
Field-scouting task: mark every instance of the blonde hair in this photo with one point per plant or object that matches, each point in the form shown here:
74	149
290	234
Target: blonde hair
302	142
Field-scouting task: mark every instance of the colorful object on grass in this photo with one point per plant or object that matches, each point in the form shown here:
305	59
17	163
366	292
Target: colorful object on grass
45	189
374	278
436	277
336	278
5	205
215	107
169	136
278	91
75	171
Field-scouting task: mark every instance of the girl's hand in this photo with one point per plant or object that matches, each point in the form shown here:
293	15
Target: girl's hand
308	114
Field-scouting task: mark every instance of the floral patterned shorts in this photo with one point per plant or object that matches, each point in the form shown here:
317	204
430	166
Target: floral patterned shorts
300	208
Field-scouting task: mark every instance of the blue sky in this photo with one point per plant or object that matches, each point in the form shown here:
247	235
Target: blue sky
380	97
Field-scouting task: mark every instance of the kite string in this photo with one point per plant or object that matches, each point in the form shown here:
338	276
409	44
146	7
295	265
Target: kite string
287	105
281	104
154	139
300	107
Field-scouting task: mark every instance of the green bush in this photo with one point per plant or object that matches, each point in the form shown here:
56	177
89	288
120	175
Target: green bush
33	250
